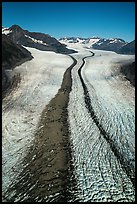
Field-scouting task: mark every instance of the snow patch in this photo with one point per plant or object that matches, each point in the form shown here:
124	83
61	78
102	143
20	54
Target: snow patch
36	41
6	31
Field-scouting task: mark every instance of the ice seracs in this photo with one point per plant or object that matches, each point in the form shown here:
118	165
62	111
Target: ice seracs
99	174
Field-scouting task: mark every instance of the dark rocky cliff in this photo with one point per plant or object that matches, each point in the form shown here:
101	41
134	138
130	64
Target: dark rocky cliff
37	40
129	72
12	55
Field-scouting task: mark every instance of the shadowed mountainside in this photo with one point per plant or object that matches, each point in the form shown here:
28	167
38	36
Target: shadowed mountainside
37	40
129	72
128	48
12	55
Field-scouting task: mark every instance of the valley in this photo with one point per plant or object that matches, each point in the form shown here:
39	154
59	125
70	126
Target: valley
102	151
100	131
68	102
69	128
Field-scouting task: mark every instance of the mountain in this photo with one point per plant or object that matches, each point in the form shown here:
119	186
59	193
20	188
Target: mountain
129	48
113	44
12	55
87	41
13	52
129	72
36	40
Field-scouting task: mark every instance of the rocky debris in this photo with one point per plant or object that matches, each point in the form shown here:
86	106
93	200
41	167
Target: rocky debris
48	165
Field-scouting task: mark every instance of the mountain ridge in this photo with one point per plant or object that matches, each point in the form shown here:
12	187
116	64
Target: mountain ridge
117	45
13	55
36	40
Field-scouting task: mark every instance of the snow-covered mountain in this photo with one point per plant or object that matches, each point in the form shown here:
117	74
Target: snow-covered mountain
87	41
36	40
129	48
6	31
112	44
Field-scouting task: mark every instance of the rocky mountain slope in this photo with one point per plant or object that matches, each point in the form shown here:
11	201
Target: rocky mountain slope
36	40
128	48
12	55
129	72
113	44
13	52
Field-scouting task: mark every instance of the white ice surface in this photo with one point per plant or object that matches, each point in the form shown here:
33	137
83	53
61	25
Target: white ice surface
40	80
99	175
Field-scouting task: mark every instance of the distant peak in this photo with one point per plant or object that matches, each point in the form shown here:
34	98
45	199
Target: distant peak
117	39
15	27
95	37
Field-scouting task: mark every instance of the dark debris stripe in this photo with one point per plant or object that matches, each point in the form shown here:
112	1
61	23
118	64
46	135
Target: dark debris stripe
126	165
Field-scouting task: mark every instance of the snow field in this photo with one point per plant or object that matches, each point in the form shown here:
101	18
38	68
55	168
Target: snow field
99	175
40	80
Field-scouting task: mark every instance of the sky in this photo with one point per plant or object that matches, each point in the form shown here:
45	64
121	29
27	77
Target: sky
73	19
